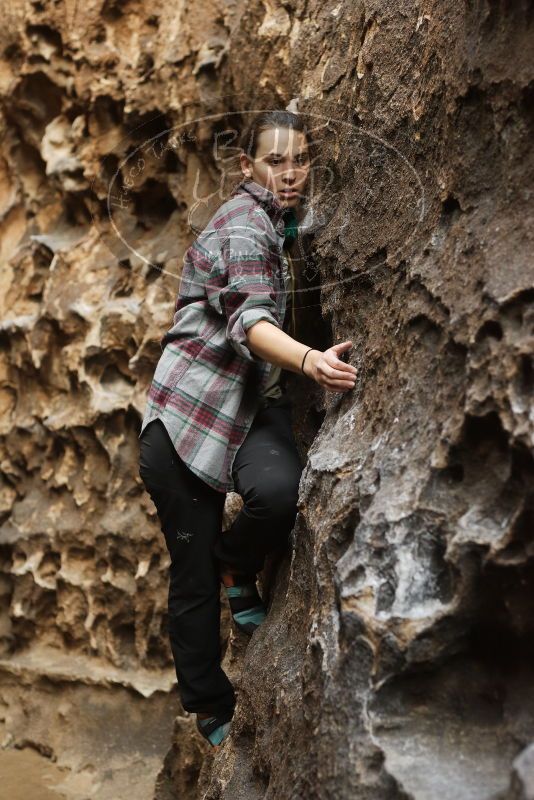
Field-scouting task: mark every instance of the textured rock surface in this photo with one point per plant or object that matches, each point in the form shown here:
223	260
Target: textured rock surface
397	659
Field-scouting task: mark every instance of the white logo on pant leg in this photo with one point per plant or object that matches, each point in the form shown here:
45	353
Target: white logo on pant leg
183	535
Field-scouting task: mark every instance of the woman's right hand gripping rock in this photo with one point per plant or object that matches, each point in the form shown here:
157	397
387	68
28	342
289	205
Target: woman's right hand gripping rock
329	370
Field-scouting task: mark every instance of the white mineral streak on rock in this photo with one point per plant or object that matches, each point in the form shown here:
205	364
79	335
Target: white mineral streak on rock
57	148
416	586
142	568
24	322
276	21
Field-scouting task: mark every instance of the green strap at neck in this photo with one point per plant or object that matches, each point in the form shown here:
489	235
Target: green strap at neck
291	226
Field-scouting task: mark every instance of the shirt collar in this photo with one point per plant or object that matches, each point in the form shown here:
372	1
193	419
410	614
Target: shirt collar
268	200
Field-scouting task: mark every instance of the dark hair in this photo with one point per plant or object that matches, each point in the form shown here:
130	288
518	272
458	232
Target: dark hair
248	140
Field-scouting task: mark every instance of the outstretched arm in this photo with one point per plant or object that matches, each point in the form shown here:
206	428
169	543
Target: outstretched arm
275	346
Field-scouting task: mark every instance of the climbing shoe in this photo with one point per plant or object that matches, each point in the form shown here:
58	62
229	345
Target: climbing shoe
214	729
246	606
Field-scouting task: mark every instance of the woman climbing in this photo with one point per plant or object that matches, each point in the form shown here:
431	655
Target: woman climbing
218	418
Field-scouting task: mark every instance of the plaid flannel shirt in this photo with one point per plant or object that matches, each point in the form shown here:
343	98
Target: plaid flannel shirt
207	384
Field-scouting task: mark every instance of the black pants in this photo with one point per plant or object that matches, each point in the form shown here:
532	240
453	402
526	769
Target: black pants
266	473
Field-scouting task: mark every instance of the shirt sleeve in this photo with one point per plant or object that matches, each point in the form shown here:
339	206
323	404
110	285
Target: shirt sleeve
241	283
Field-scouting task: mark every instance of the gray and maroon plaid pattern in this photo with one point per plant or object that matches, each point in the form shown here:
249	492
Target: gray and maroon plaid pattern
207	384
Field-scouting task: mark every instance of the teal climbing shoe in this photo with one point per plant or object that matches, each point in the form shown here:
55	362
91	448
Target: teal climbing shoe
214	729
246	606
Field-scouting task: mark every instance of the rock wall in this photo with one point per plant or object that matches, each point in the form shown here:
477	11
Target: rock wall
397	660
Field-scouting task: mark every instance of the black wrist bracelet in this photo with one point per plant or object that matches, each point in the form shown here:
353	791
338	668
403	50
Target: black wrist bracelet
303	360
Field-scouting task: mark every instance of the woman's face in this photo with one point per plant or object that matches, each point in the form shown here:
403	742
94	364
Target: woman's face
281	164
